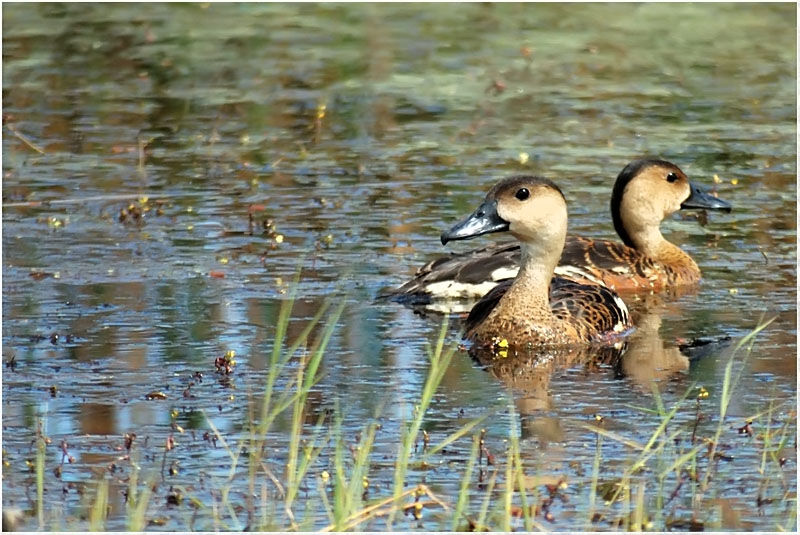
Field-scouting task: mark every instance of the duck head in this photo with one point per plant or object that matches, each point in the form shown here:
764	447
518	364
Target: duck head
532	209
647	191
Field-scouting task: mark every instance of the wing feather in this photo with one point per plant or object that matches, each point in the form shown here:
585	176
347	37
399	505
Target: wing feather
594	310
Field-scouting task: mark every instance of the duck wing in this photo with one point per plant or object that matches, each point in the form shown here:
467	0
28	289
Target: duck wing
486	304
460	275
594	310
472	274
613	264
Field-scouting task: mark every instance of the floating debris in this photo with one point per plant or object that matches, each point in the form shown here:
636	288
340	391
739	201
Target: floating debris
54	222
174	497
225	363
39	275
131	213
746	429
496	87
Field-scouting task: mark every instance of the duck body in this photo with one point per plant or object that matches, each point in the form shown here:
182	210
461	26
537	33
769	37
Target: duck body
588	313
645	192
625	269
535	310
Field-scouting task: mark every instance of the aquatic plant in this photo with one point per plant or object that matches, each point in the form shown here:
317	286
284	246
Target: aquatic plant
326	480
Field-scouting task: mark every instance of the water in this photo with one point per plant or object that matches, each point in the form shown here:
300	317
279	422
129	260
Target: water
137	142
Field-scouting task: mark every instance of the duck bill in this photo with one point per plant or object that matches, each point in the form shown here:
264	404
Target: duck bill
700	199
483	221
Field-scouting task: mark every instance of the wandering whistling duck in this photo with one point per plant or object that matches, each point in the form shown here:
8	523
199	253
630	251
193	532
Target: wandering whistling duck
536	309
645	192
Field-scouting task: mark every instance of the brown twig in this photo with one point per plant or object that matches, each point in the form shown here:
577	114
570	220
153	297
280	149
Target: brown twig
22	137
32	204
273	478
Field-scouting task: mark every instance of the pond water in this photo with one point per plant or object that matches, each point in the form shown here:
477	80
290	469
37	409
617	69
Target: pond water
168	169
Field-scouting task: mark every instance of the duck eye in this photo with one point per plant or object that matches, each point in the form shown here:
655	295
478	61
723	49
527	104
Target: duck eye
672	177
522	194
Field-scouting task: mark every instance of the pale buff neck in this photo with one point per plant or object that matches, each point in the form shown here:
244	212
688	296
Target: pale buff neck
651	242
530	291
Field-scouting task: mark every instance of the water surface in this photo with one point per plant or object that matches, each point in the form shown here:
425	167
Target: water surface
167	170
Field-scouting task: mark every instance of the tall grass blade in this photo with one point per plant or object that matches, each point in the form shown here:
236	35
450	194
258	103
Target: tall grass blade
595	476
97	513
728	384
481	523
40	459
439	361
463	493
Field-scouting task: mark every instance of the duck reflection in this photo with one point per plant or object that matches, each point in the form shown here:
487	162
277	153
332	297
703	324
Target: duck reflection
643	358
648	357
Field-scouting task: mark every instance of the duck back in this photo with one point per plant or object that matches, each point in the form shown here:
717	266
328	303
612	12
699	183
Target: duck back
588	261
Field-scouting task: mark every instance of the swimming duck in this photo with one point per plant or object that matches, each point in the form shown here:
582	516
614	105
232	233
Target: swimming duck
536	309
645	192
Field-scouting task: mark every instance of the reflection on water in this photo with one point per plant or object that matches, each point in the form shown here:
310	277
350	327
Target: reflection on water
643	360
166	174
530	373
648	358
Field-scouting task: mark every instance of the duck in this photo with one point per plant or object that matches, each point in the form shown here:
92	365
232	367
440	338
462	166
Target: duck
645	192
535	309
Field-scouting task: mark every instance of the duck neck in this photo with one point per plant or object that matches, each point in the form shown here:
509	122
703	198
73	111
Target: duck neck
532	285
648	240
637	219
651	242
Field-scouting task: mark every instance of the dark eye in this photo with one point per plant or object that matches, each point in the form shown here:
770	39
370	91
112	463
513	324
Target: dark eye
522	194
672	177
